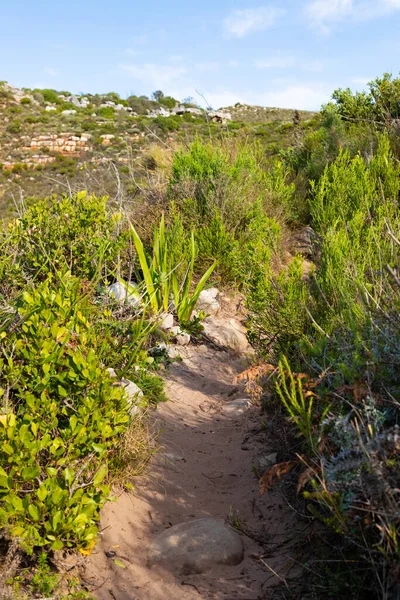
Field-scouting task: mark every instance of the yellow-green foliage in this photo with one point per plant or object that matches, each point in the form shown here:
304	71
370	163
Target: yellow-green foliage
72	232
61	420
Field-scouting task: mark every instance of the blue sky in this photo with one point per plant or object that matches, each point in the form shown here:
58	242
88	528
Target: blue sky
280	53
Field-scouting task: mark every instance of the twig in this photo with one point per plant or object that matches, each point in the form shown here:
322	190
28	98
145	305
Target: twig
275	573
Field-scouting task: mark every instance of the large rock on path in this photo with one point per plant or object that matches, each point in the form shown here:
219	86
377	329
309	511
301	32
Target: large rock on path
196	547
229	334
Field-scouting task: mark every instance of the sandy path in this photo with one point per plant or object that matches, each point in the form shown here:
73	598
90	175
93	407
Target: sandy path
204	469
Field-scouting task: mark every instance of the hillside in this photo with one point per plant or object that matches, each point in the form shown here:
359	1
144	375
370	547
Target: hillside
51	141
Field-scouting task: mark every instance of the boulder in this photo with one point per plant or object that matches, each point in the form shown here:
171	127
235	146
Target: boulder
196	547
208	302
229	334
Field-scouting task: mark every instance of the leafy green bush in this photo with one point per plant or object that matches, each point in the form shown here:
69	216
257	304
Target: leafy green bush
61	420
343	332
74	232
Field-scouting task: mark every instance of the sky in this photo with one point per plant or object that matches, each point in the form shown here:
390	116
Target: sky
290	54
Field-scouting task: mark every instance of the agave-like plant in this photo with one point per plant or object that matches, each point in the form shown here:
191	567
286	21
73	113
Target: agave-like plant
160	275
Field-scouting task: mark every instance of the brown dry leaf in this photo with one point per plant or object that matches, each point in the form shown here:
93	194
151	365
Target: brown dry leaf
275	472
358	389
304	478
255	373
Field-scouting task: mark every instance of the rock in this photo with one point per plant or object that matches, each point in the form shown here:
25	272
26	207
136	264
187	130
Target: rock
111	372
50	108
167	322
208	302
69	112
121	292
118	290
229	334
304	242
173	353
196	547
181	337
134	394
236	407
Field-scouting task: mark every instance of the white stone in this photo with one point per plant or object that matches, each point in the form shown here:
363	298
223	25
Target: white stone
121	292
196	547
207	302
236	407
50	108
181	337
229	334
118	291
111	372
167	322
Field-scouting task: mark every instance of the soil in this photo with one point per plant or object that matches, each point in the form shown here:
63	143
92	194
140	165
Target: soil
205	467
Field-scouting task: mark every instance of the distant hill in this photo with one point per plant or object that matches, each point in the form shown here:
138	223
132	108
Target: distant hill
51	142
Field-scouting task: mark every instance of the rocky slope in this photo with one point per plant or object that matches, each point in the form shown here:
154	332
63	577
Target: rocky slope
51	142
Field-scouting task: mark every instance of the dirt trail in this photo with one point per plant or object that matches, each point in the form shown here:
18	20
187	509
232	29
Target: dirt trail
204	469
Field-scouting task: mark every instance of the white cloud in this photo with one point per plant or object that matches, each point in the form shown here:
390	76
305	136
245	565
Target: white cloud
323	14
242	22
361	81
152	74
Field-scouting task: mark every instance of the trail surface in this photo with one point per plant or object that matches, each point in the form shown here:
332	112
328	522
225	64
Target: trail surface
209	444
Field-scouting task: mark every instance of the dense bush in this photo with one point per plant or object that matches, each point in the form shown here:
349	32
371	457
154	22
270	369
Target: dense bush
236	207
341	330
61	420
75	233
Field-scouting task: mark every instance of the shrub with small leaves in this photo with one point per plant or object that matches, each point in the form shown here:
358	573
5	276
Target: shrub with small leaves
61	420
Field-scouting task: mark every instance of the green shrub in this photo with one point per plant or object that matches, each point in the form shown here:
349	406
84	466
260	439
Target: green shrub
14	127
26	101
47	95
234	205
107	112
277	310
73	232
61	420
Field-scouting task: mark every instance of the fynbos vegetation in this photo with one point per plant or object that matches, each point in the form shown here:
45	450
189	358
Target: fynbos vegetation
302	219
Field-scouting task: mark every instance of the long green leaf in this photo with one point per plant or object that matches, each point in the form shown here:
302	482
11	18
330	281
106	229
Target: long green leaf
148	278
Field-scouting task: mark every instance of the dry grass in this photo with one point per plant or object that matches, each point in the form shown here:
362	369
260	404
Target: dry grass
136	448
